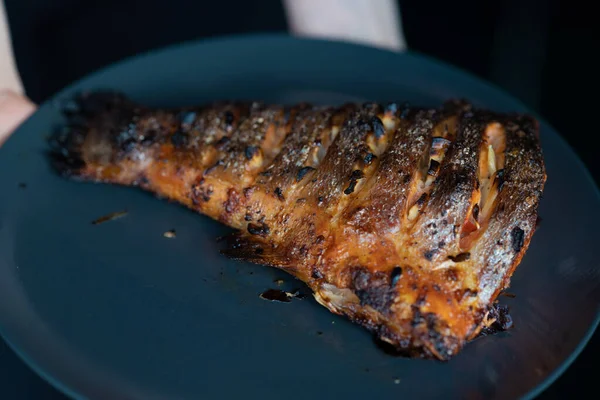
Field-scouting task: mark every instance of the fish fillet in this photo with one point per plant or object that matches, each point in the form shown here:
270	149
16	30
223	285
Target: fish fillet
409	221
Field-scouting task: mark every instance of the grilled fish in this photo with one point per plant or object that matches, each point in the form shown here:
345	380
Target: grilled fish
409	221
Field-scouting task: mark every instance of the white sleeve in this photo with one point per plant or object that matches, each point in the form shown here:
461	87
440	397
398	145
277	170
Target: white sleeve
372	22
9	77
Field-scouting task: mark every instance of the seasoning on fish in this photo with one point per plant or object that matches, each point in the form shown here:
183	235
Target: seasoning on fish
409	221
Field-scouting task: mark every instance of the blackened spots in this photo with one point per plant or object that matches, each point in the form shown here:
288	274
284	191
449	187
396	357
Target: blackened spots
356	175
369	158
373	289
362	125
460	257
220	144
441	244
436	287
422	200
452	275
350	187
462	294
395	276
500	178
378	128
248	217
320	239
250	152
517	239
201	193
229	117
179	139
279	194
260	230
417	317
128	145
233	201
303	251
434	166
302	173
248	191
502	320
320	199
149	137
259	251
316	274
429	254
187	117
476	211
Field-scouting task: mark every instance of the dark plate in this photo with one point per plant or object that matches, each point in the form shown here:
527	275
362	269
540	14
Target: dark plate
118	311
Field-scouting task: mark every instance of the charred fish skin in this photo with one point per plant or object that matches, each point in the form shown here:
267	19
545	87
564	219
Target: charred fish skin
409	221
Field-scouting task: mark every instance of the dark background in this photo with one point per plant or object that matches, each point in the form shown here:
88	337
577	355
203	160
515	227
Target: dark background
541	51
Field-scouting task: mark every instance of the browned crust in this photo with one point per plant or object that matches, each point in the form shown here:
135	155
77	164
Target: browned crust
329	195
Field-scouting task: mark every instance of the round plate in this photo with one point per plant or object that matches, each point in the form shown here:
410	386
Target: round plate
118	311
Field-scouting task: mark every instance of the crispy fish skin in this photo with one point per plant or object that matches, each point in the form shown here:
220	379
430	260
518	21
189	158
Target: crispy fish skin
408	221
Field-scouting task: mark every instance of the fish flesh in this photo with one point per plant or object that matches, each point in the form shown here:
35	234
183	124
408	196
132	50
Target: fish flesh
409	221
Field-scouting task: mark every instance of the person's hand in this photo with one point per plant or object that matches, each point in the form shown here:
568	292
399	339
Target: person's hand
14	109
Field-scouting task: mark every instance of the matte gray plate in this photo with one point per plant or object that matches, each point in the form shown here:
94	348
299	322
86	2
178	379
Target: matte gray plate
118	311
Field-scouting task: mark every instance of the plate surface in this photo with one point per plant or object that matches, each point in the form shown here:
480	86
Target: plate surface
118	311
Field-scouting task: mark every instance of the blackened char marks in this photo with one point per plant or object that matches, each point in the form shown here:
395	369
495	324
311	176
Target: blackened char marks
229	118
179	139
429	254
279	194
200	192
259	230
233	201
356	175
395	275
302	173
443	346
517	237
250	152
502	321
377	127
373	289
460	257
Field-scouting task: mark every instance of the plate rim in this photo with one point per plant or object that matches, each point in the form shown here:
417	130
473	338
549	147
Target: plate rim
254	37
